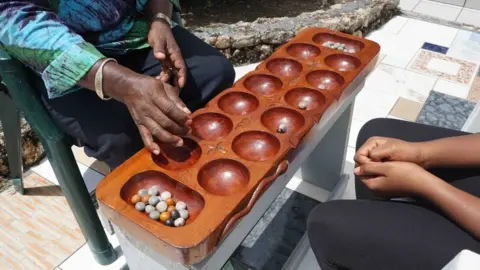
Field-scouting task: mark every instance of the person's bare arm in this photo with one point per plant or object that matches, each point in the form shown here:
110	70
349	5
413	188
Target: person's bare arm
462	151
458	205
404	179
155	114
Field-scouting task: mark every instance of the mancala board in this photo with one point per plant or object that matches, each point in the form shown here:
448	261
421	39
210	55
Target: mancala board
238	144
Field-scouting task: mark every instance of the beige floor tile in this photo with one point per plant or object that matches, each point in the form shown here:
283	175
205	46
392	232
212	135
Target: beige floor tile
38	228
10	260
474	94
406	109
81	157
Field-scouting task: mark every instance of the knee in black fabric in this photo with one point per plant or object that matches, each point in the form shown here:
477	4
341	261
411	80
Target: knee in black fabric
222	72
115	148
324	228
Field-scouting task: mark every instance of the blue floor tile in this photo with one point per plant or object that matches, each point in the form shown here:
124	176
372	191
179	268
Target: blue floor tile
434	48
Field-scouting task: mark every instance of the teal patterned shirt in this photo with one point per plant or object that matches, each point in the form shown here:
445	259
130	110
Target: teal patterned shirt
62	39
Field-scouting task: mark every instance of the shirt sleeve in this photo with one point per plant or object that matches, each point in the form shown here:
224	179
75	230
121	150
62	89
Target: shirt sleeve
33	34
141	5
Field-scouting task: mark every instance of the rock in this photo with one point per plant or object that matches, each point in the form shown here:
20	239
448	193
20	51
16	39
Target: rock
242	41
212	40
223	42
32	149
266	49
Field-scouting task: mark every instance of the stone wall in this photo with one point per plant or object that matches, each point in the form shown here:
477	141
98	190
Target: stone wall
246	42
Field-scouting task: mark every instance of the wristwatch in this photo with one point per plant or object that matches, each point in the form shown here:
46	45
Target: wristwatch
161	16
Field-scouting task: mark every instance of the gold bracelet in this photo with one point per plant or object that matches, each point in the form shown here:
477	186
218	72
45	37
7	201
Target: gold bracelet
99	79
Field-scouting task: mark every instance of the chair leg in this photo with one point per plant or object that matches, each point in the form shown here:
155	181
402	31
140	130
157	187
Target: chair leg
66	170
10	119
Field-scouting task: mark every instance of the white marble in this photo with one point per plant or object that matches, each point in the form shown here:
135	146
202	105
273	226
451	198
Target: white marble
90	176
354	129
397	50
453	89
469	16
428	32
438	10
393	26
83	259
466	46
408	5
371	104
399	82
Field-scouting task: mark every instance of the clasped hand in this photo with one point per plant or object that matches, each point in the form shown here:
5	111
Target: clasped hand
392	167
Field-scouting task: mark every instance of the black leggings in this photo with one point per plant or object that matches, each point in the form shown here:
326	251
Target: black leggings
371	233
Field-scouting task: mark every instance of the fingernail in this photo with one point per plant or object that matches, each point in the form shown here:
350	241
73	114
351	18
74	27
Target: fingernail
189	122
357	170
179	143
156	152
158	77
185	109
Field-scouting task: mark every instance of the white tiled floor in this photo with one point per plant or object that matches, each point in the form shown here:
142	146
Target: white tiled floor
399	82
408	4
91	177
452	89
83	259
469	16
439	10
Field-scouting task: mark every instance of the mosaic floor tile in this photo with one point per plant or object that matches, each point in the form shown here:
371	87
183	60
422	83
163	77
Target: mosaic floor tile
444	67
474	94
434	48
445	111
406	109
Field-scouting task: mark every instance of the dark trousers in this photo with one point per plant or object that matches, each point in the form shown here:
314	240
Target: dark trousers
371	233
106	128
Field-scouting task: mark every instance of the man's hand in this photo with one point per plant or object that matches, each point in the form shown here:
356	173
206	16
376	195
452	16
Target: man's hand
154	112
173	92
395	179
166	50
378	149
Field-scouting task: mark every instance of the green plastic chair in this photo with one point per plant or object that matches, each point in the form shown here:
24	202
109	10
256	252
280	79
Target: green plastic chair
17	93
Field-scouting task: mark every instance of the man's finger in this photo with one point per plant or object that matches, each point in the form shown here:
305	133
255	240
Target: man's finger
161	134
178	62
159	49
374	168
171	110
148	140
166	123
